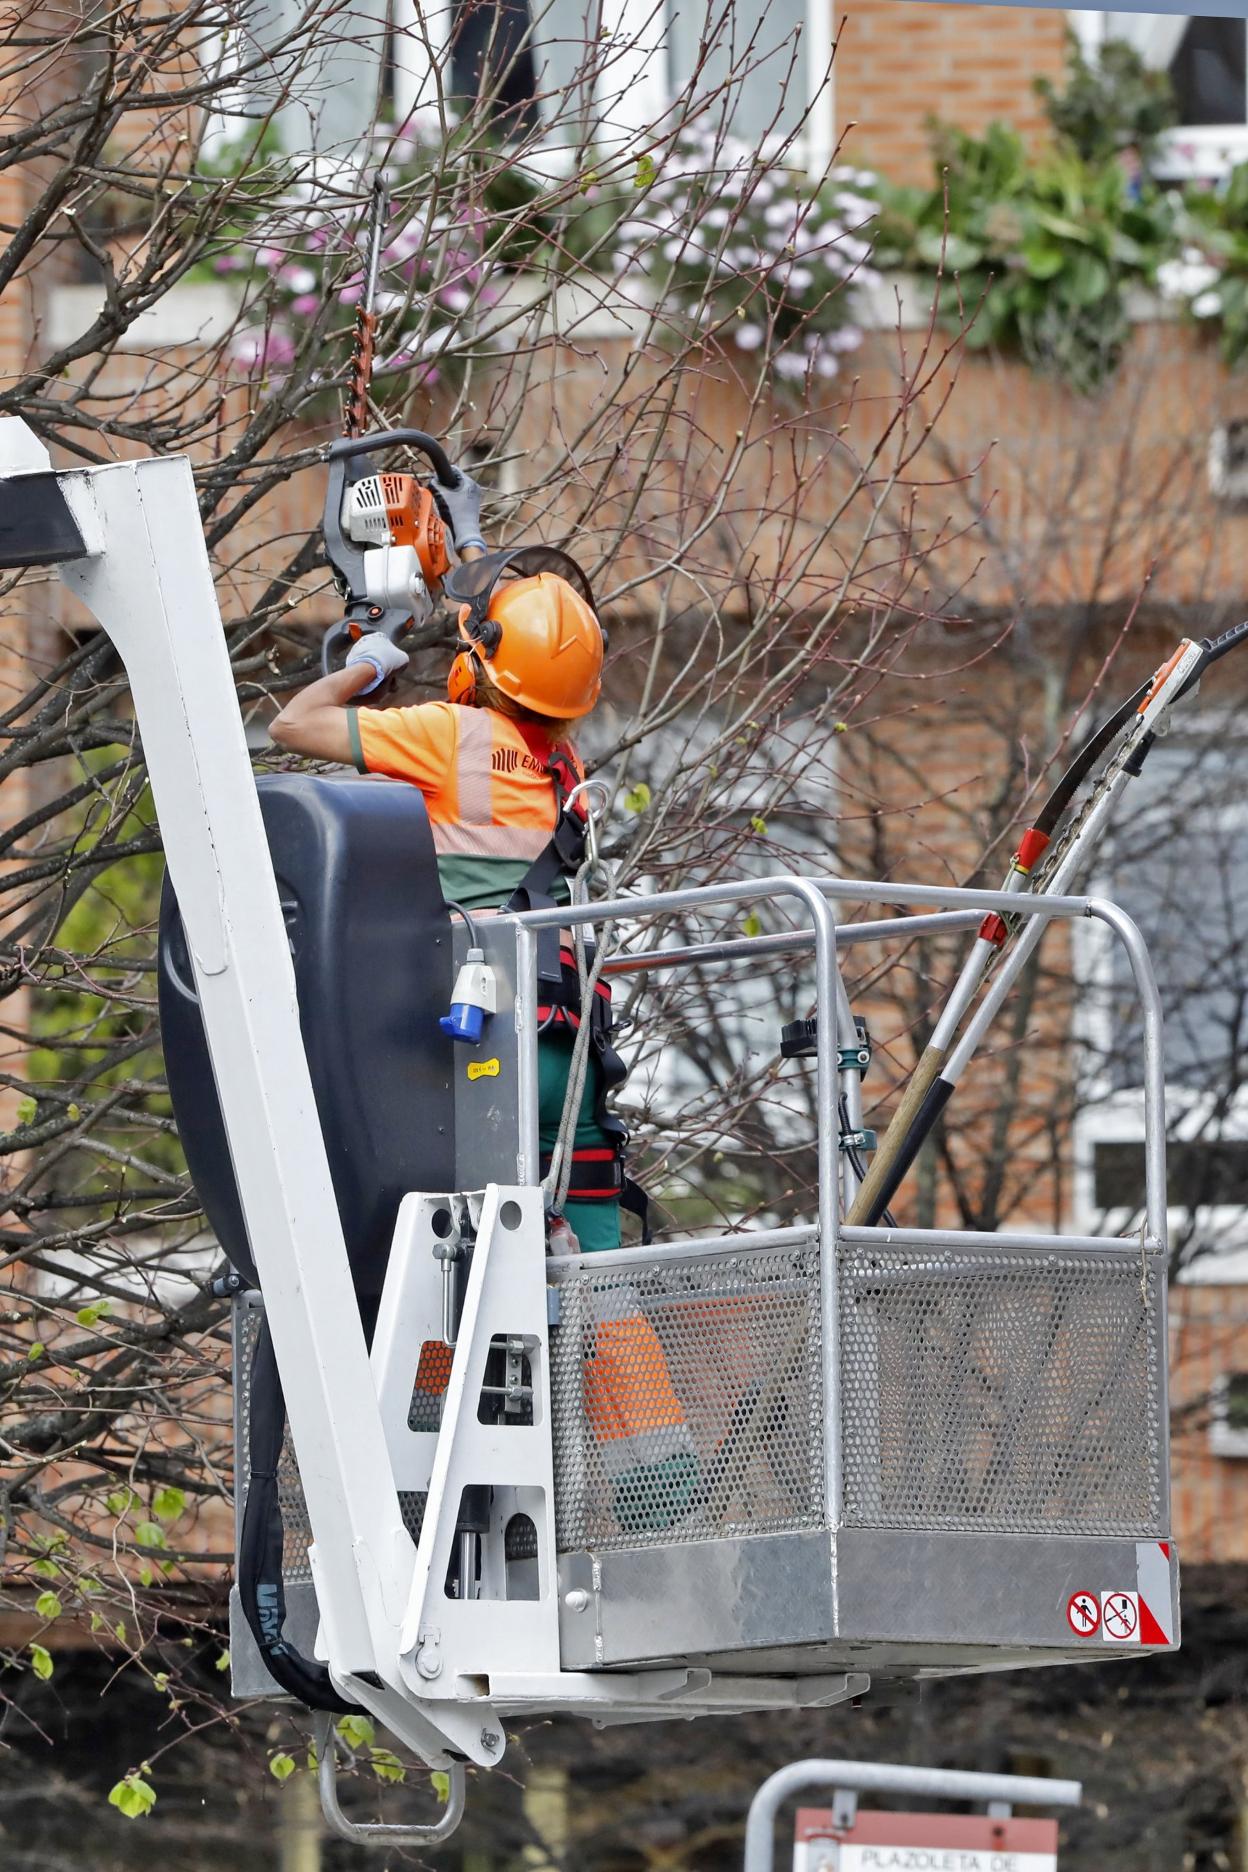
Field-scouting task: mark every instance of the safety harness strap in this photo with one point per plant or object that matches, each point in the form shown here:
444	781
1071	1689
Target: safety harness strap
562	857
260	1542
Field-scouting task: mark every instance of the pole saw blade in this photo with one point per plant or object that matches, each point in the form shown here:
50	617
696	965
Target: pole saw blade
355	407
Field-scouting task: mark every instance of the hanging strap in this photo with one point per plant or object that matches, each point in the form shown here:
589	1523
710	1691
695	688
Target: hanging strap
260	1585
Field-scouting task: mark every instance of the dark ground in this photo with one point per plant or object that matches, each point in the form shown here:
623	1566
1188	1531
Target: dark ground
1161	1746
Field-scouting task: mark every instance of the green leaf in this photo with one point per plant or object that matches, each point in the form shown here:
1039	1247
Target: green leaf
48	1606
121	1501
356	1731
146	1576
386	1766
281	1767
752	924
441	1785
134	1796
119	1631
36	1350
46	1569
223	1661
647	172
758	824
933	246
148	1534
41	1661
168	1503
637	798
74	1112
88	1315
161	1680
27	1110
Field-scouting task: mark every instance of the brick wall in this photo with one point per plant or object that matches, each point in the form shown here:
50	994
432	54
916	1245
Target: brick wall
901	61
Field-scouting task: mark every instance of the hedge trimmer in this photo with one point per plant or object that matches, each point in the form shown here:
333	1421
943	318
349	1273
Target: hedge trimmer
383	534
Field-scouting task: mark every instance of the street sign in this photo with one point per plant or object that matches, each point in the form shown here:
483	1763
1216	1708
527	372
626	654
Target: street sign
892	1842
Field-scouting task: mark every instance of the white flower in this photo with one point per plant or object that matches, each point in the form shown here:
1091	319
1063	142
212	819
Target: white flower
1187	278
1207	304
716	218
854	207
789	364
800	279
454	298
673	249
748	335
825	364
762	192
633	232
299	279
848	338
852	249
745	256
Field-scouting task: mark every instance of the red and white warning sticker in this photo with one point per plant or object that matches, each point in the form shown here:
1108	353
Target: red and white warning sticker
1120	1616
1083	1614
1153	1592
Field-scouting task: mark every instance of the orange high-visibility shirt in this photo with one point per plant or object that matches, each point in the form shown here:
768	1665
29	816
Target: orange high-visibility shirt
492	805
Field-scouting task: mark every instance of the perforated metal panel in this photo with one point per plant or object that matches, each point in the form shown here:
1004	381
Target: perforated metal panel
296	1532
1003	1391
687	1399
296	1528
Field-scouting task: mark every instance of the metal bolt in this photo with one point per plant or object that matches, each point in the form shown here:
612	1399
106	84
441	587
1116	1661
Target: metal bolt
576	1600
490	1741
429	1660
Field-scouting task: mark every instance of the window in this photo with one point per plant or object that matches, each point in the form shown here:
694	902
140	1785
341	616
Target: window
1177	862
1207	60
1228	1419
579	70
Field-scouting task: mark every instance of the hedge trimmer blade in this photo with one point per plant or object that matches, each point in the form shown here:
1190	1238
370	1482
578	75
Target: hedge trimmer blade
355	408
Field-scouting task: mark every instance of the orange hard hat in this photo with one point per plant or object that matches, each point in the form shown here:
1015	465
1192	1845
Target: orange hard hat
537	636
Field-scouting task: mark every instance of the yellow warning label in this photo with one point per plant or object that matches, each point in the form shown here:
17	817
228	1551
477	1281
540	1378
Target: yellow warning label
483	1069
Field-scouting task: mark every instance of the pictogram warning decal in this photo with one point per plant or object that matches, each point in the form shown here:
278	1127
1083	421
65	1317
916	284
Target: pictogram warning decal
1120	1616
1083	1614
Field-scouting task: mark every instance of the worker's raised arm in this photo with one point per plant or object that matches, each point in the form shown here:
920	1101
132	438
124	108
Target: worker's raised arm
314	722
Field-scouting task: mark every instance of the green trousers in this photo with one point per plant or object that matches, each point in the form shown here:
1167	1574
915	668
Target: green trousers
596	1224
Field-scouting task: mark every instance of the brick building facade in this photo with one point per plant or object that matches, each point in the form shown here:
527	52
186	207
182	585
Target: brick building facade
1077	514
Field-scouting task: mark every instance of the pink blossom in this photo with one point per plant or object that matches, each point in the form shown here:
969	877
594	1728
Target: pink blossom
229	263
305	305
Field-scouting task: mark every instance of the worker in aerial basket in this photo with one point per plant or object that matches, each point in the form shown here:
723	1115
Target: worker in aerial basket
495	764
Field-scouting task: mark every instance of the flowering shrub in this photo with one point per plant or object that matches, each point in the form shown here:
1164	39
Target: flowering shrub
760	254
300	271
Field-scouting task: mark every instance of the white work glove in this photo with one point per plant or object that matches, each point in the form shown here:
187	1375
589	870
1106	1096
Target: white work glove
460	507
386	658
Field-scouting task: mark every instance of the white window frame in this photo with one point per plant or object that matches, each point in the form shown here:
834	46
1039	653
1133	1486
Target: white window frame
1189	152
1117	1116
639	94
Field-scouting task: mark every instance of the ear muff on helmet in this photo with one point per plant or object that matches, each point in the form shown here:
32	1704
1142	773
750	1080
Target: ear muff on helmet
461	678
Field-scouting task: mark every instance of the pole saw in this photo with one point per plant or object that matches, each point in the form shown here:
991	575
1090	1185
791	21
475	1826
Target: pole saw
1135	724
384	537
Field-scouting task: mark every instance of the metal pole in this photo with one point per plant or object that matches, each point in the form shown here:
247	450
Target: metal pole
889	1778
